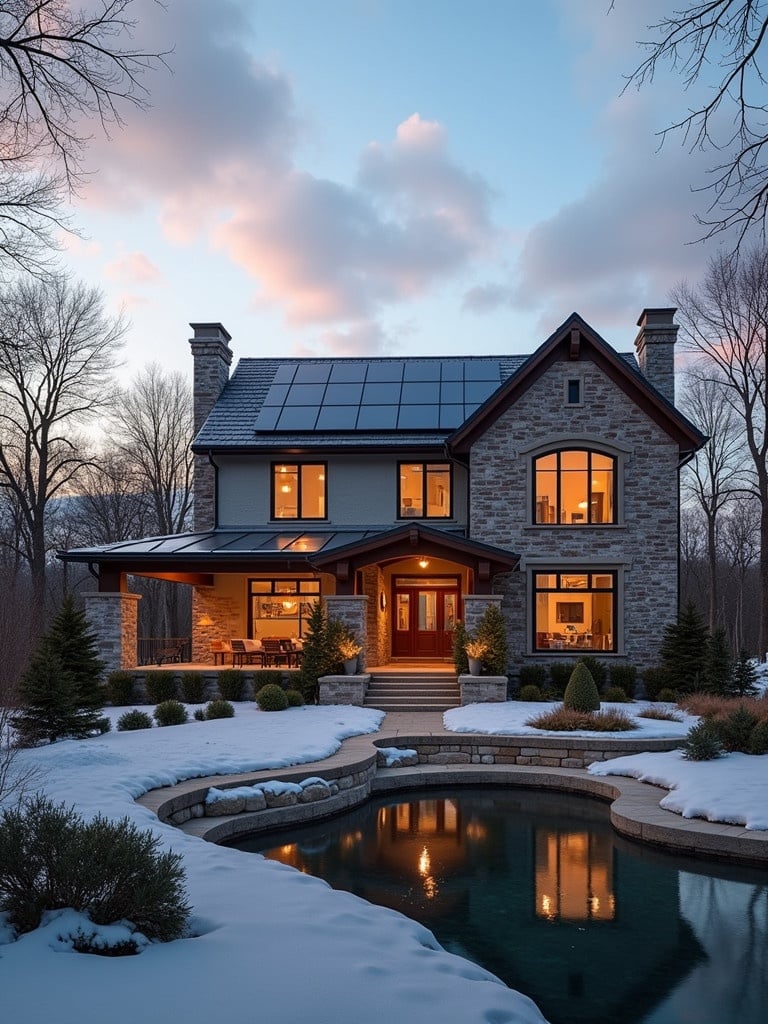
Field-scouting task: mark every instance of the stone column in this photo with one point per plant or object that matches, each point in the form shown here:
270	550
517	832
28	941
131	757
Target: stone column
655	345
352	610
474	608
114	618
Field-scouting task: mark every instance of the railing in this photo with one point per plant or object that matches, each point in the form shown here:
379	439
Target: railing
159	650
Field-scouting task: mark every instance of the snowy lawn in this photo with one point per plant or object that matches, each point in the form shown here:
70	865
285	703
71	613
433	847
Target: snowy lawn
509	718
272	945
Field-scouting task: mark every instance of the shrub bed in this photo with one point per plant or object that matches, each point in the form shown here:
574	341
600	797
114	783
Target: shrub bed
564	719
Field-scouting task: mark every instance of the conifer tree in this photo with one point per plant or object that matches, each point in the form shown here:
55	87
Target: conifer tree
47	696
717	671
76	645
493	630
460	638
314	658
743	681
684	650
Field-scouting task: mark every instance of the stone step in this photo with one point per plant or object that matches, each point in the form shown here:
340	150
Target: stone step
411	686
401	705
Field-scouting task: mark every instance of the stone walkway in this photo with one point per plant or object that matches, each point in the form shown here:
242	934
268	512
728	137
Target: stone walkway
635	810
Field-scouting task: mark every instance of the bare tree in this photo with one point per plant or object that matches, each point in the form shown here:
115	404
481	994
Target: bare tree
741	544
57	352
725	321
714	474
110	504
61	70
732	117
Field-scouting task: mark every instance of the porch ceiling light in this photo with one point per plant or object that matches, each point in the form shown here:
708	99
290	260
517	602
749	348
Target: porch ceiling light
423	562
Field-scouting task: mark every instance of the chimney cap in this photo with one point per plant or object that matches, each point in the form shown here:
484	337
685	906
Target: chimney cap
657	317
215	331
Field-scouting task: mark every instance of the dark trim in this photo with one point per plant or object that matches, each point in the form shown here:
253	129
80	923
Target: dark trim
424	465
558	451
299	518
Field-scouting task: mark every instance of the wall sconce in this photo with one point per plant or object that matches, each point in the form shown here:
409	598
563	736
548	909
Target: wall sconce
205	620
423	562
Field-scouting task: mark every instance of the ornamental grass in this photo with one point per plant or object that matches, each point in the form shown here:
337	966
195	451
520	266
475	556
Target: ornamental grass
564	719
711	706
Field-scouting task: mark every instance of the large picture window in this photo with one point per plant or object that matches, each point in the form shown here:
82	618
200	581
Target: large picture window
574	487
280	607
574	611
299	490
424	490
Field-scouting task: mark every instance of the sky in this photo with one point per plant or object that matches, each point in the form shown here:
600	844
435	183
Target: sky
389	177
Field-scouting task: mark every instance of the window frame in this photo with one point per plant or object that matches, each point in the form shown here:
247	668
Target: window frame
589	450
274	472
274	582
444	465
559	571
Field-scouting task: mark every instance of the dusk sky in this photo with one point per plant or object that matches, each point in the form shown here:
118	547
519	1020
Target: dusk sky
376	177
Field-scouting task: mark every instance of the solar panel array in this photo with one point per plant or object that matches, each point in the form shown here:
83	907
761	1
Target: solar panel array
387	394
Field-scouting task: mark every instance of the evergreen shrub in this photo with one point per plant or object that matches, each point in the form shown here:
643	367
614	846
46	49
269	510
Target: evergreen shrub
581	693
193	687
758	738
121	688
735	729
684	651
272	698
219	709
460	638
655	679
531	692
596	669
533	675
134	720
294	698
50	858
103	725
702	743
170	712
559	674
268	677
718	668
199	714
616	695
493	631
743	677
160	687
667	696
231	682
624	676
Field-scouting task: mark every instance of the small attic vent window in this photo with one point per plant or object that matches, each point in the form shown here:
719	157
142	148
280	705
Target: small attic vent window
573	392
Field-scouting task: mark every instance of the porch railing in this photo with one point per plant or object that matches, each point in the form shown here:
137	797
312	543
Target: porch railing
162	650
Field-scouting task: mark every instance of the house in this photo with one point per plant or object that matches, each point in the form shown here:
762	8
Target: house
409	493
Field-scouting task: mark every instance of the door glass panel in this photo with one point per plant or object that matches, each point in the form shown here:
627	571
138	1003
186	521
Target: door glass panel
427	610
403	612
449	612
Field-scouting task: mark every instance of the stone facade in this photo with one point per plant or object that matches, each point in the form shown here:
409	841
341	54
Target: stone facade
212	358
343	689
641	546
352	610
113	617
377	643
215	616
482	689
655	346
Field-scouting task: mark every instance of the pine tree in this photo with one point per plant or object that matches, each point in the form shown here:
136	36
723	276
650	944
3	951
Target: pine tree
77	647
743	681
47	696
493	630
314	657
717	670
684	650
460	638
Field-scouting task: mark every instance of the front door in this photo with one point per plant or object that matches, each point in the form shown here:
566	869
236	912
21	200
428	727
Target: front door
425	614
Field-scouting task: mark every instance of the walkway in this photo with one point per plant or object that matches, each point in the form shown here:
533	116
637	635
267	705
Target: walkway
635	810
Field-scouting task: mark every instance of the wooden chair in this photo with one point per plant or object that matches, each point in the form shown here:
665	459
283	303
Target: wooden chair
247	652
221	649
274	652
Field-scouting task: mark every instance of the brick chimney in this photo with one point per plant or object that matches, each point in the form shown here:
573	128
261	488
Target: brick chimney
655	345
212	358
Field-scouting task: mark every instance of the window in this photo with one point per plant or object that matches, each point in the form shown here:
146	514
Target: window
574	611
574	391
298	490
574	487
280	608
424	490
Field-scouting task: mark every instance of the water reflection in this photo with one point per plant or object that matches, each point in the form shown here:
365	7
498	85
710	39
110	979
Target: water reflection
537	888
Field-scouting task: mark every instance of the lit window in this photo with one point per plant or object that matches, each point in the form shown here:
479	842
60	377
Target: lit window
574	611
574	487
298	490
424	490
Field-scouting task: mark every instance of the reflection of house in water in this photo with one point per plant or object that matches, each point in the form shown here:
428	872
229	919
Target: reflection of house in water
530	885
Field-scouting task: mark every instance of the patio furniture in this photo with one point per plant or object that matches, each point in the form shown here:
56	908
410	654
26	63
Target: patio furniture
171	652
247	652
274	652
221	649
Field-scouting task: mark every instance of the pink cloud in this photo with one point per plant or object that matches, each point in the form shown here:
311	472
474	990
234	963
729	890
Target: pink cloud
133	268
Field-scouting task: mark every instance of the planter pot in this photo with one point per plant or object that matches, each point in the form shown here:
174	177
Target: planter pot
475	666
350	666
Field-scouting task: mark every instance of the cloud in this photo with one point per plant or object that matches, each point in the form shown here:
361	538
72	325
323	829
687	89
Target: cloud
485	298
133	268
364	338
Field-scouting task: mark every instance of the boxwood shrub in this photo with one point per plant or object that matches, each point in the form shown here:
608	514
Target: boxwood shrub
272	698
170	712
219	709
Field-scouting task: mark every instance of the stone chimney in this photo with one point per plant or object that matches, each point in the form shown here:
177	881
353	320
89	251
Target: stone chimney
212	358
655	345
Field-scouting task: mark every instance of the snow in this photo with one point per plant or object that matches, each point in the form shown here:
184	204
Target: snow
393	756
731	789
509	718
271	945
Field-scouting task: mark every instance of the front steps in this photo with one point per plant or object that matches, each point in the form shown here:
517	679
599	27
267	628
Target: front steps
404	690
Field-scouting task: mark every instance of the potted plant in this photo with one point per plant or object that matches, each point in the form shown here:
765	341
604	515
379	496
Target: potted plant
349	649
476	650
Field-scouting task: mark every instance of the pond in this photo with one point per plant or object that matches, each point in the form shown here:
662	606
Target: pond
538	888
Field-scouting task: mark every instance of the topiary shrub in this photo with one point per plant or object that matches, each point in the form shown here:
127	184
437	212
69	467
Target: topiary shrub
559	674
134	720
533	675
121	688
702	743
531	692
581	693
160	687
655	679
615	695
219	709
758	739
231	681
624	676
50	858
272	698
193	687
294	698
170	712
596	669
199	714
735	730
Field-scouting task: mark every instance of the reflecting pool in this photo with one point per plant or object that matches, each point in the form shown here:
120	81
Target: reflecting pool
538	888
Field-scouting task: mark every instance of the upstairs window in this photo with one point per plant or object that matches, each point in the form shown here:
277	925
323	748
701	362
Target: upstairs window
299	490
574	487
424	490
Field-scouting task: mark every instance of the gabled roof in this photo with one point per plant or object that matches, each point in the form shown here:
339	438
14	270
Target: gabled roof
574	339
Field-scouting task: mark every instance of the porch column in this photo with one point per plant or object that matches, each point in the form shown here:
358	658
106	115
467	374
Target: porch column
114	617
352	610
474	608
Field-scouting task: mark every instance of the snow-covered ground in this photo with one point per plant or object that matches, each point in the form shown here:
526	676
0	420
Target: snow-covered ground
272	945
509	718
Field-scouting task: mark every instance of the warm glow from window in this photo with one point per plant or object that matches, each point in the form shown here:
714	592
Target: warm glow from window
574	876
574	488
425	490
299	491
574	612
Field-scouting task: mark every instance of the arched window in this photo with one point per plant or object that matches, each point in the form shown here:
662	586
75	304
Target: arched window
574	487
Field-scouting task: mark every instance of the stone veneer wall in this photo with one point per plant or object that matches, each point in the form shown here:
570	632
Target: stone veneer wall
377	645
114	617
352	611
212	358
643	546
225	612
475	606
